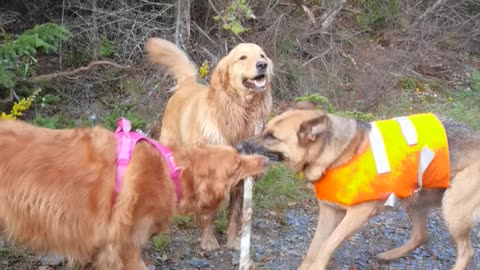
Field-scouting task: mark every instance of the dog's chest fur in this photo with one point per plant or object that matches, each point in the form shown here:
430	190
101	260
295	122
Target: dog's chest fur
236	121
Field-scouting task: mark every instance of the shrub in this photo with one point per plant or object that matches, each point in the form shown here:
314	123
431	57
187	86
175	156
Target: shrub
18	63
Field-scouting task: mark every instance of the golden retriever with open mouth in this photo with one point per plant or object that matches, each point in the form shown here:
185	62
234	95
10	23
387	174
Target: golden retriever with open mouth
237	101
359	169
71	192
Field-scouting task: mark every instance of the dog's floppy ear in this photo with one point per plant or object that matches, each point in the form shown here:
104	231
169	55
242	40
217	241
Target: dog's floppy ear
220	74
311	129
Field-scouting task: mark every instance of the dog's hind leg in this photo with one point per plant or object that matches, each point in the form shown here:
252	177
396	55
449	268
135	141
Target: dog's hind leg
417	211
354	219
459	206
328	218
418	236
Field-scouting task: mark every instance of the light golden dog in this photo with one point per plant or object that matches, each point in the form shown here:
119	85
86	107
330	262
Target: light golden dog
312	141
57	191
236	102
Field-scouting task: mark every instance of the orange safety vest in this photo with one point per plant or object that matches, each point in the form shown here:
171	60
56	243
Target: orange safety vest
360	180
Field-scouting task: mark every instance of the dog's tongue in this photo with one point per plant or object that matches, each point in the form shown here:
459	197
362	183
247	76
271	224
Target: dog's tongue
260	82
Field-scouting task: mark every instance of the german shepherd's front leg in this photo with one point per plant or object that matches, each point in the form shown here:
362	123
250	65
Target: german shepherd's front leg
328	218
354	219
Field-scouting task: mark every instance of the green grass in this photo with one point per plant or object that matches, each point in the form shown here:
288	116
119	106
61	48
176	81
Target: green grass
160	242
279	187
221	222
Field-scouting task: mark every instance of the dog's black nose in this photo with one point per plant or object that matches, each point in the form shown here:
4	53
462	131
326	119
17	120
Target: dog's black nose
261	65
240	147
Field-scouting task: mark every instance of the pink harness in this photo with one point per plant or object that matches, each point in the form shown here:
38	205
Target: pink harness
126	141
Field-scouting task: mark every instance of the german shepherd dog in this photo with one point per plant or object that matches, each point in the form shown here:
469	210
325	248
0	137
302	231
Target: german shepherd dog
312	141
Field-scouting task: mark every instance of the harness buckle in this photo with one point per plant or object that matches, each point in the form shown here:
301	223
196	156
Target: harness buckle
123	161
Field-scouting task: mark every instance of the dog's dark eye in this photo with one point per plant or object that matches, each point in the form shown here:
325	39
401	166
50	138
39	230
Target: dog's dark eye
261	55
243	57
270	136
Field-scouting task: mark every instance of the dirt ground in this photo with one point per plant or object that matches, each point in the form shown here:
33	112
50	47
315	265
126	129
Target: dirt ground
281	239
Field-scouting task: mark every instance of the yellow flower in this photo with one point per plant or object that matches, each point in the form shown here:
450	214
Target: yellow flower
21	106
410	108
6	116
417	89
204	69
450	99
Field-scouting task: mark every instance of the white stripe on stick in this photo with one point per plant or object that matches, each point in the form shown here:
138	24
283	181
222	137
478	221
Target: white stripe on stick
245	261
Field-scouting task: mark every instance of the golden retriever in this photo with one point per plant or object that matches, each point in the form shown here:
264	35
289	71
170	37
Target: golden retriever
57	191
237	101
316	143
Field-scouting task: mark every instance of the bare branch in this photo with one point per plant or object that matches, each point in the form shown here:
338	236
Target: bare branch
432	8
307	11
329	16
11	96
178	25
55	75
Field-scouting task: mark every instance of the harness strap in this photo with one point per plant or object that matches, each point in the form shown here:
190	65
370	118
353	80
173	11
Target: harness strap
126	143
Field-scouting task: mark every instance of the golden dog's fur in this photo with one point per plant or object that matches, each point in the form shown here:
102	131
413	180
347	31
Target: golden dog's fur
57	191
237	101
311	141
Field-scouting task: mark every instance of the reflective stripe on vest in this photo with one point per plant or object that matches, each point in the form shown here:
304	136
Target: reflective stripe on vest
414	149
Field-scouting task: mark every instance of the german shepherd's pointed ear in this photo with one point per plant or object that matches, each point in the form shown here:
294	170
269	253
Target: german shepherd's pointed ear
311	129
304	105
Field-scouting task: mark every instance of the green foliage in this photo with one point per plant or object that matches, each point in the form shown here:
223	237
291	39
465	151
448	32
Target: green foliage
321	101
17	56
367	117
45	36
107	49
53	122
110	121
184	221
409	83
278	187
377	14
221	222
49	99
417	96
231	17
475	81
160	242
324	104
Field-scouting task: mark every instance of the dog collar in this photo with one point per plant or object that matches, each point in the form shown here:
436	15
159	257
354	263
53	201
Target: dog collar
126	141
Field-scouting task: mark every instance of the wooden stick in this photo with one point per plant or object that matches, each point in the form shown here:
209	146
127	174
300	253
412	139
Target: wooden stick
247	211
245	260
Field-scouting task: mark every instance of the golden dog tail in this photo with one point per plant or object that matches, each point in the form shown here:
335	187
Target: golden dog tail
175	62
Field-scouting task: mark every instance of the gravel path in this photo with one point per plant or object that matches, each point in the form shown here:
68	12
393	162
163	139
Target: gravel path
280	241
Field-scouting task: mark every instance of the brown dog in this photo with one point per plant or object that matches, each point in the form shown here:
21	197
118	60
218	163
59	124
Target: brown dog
314	142
236	102
57	191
